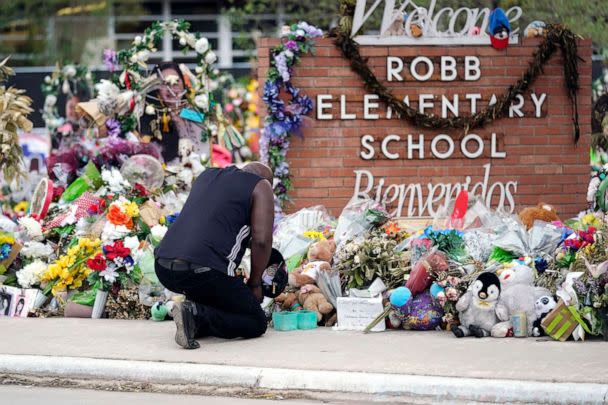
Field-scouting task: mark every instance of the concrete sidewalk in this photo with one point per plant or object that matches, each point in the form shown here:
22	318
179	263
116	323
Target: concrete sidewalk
435	364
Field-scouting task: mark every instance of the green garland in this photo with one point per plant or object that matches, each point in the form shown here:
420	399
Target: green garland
556	36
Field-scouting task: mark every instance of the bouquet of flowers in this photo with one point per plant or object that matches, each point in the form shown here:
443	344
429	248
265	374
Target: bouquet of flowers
7	241
70	270
113	266
582	240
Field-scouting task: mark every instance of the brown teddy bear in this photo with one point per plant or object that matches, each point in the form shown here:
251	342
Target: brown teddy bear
312	299
288	301
542	212
319	258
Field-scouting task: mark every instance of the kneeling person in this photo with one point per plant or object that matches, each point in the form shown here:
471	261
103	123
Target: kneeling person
226	211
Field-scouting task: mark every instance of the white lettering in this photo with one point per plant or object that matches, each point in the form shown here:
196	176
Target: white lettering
465	150
393	71
366	141
368	104
411	146
425	101
343	114
448	69
473	98
429	68
384	146
538	103
322	105
448	140
472	70
447	105
370	184
495	153
516	108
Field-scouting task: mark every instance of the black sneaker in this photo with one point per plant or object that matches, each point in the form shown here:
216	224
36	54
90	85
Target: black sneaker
183	315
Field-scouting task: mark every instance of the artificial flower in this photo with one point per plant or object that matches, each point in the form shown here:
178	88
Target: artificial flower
109	274
131	209
118	249
98	263
31	274
201	46
32	228
118	217
113	232
158	231
210	58
35	250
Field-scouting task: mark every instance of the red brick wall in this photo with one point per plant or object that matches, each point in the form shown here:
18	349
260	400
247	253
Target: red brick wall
541	155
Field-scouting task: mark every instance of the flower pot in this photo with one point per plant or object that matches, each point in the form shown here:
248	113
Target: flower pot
100	304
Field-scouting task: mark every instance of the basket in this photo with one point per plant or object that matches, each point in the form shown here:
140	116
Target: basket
307	319
285	321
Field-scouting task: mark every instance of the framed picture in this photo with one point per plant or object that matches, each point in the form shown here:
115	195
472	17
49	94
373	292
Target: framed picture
21	306
6	302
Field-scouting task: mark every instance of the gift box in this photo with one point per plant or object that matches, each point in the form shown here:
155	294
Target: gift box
150	213
561	322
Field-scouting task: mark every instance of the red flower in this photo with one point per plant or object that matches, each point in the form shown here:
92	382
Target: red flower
98	263
116	250
141	190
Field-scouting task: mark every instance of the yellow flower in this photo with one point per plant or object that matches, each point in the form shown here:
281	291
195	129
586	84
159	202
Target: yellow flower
6	238
21	207
590	220
314	235
162	220
131	209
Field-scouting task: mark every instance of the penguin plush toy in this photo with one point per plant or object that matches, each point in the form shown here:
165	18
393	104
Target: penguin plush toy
499	27
542	307
477	307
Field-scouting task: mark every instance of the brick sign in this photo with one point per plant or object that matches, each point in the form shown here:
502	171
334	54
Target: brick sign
354	145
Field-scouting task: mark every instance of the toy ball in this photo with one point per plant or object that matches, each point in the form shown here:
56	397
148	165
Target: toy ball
400	297
423	312
436	290
159	311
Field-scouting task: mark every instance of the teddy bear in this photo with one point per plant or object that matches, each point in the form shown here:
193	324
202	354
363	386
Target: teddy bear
477	307
319	258
542	212
312	299
288	301
518	295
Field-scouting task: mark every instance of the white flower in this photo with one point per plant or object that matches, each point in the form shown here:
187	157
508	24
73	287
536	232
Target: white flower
288	54
137	40
198	70
285	30
114	180
158	231
186	176
88	76
357	259
47	79
210	58
112	232
50	101
191	40
201	46
31	274
35	250
32	227
131	242
182	41
109	274
202	101
300	33
69	71
150	109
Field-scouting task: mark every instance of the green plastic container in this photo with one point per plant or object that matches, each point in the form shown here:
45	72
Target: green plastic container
90	180
285	321
307	319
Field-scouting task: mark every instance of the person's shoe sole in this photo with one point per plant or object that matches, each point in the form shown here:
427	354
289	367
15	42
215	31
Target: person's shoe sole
181	323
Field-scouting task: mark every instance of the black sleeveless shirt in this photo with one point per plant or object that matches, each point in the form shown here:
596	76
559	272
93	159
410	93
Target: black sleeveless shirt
214	227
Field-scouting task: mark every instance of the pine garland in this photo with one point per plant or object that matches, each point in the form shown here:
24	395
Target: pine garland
557	36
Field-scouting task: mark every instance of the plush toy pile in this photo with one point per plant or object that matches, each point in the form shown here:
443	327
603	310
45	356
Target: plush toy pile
491	275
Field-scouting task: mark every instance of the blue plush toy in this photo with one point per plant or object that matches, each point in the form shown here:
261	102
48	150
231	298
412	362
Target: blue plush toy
499	28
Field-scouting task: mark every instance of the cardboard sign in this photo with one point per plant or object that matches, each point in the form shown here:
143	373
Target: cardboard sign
357	313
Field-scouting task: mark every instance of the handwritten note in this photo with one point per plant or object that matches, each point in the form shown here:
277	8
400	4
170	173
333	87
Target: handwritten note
357	313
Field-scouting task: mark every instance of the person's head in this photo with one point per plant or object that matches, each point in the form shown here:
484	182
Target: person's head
70	108
259	169
20	305
173	85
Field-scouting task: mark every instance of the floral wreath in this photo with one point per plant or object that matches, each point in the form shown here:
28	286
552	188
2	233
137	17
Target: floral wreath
283	120
66	80
135	67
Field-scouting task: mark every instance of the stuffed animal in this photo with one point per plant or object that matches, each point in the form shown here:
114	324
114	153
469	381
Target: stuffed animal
397	28
312	299
535	29
542	212
542	307
288	301
477	307
518	295
319	258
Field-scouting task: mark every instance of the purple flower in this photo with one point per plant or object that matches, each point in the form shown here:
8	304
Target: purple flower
310	30
282	170
110	59
292	45
280	61
113	127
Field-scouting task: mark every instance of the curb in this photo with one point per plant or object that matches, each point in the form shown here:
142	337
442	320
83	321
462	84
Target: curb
437	388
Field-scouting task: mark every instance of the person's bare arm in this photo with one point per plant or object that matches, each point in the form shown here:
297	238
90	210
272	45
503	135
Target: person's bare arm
262	220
